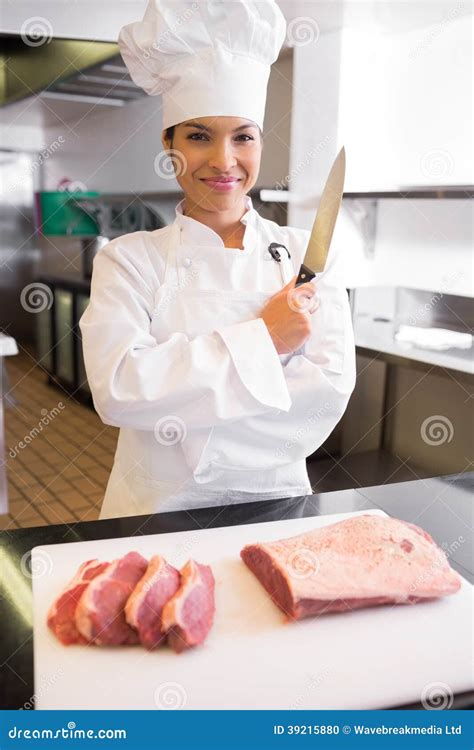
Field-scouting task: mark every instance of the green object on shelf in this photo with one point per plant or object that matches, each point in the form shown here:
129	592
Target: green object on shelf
59	214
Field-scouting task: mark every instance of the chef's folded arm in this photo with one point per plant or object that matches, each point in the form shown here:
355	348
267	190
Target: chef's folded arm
320	381
233	375
210	380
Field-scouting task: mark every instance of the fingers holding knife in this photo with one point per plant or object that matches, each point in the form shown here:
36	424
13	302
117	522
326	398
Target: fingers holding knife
301	298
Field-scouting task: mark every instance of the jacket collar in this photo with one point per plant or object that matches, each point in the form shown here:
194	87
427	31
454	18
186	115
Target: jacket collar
193	232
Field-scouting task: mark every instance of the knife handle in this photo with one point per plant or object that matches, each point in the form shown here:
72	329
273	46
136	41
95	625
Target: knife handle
304	275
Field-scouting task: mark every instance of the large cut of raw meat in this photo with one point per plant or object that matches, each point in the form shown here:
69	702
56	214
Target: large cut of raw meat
360	562
61	615
145	605
188	616
100	614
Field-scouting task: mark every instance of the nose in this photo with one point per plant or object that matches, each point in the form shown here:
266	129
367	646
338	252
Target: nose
222	157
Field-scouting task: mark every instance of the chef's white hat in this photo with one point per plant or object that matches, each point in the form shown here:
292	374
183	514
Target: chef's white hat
207	57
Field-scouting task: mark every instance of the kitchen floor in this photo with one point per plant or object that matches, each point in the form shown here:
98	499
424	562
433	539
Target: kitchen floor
61	472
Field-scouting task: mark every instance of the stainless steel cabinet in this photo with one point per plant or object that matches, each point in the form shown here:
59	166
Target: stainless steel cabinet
82	301
58	337
44	340
64	344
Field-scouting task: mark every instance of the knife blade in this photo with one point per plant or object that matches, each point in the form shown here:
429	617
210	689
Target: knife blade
324	223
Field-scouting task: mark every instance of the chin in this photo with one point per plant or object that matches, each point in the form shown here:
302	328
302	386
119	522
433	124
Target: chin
219	199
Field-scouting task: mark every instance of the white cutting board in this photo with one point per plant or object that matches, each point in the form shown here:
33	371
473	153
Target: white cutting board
253	658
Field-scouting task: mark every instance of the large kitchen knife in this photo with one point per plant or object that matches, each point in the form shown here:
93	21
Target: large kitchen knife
323	227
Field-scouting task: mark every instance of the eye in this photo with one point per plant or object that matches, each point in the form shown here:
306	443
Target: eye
195	136
200	136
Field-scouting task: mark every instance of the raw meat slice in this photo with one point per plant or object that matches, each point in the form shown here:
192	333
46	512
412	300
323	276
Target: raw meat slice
100	614
360	562
61	613
187	617
145	605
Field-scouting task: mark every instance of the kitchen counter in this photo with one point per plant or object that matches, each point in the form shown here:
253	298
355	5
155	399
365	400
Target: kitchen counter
442	506
379	336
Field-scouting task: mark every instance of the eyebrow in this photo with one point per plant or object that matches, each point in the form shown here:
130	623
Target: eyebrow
209	130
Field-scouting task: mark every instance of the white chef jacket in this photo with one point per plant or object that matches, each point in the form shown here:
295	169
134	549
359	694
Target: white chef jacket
177	356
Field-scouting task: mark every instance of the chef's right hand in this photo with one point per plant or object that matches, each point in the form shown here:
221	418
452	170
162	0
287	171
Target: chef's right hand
287	315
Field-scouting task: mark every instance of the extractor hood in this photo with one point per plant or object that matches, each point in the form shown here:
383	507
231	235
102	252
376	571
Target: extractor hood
68	69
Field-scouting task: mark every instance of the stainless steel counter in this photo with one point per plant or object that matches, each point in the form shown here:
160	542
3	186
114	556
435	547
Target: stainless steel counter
379	336
442	506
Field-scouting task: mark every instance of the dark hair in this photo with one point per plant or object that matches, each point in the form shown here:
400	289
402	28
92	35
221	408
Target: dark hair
169	133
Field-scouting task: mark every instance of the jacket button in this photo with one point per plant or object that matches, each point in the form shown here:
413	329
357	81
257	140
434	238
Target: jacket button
187	262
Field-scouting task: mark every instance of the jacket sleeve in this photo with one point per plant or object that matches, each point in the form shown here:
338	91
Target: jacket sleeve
203	382
320	378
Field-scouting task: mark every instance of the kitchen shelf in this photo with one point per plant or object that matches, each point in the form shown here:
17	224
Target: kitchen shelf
466	191
412	192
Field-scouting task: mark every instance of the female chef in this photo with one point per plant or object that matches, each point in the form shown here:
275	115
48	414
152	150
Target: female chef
221	376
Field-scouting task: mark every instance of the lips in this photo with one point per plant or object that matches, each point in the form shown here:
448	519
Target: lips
220	180
221	184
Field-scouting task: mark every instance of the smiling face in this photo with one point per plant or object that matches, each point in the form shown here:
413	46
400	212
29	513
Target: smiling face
221	157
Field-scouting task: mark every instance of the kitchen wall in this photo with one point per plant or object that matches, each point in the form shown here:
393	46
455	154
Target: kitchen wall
419	243
113	149
14	136
404	115
393	87
406	120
